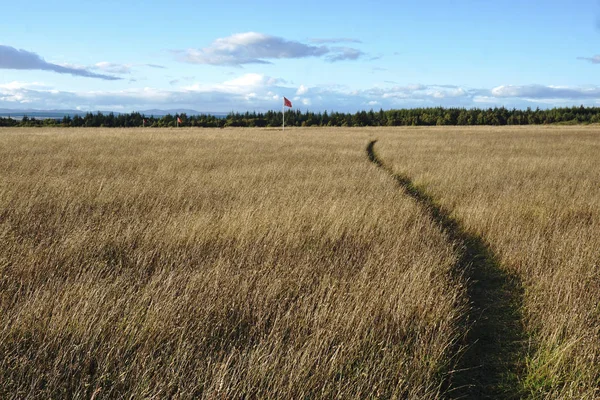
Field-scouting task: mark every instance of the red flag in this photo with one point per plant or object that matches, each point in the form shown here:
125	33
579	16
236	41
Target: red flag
178	119
287	103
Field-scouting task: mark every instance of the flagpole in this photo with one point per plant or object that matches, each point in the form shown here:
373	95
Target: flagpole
283	115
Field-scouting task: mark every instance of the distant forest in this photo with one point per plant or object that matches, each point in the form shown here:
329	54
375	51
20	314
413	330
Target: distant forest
403	117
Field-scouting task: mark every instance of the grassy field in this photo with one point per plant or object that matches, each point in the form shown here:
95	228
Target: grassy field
533	194
218	264
255	263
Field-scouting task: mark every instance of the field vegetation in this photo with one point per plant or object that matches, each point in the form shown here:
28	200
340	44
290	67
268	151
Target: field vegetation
533	195
230	264
436	262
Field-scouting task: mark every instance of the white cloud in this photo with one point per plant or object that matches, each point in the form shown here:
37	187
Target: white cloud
442	94
11	58
248	80
594	60
113	68
241	85
431	93
540	92
485	99
16	85
253	91
302	90
259	48
344	53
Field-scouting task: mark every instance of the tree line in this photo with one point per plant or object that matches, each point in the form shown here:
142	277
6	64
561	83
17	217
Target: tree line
403	117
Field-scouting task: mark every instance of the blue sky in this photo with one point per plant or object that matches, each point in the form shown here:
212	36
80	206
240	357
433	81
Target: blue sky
323	55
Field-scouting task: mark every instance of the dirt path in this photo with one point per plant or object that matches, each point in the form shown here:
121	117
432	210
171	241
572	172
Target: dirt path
495	341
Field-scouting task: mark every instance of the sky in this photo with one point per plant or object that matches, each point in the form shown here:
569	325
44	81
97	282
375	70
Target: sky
322	55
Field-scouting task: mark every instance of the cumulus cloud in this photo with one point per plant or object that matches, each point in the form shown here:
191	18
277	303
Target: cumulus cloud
20	92
11	58
442	94
540	92
253	91
251	48
246	92
243	84
250	91
258	48
302	90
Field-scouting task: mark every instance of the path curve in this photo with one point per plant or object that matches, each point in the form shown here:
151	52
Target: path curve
495	341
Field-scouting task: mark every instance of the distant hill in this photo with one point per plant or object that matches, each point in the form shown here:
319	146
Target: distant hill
43	114
158	112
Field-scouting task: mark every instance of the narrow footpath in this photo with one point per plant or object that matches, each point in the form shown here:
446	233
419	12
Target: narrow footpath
495	341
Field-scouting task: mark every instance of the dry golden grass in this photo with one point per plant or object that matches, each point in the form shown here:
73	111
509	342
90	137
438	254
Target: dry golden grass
534	195
240	263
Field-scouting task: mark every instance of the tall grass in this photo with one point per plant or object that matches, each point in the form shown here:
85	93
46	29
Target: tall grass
231	263
533	194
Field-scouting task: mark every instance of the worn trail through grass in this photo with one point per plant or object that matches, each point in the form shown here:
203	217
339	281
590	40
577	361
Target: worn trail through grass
495	342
